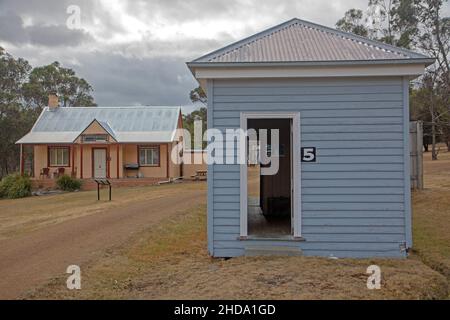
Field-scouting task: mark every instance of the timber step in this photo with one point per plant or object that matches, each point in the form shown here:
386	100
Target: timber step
253	251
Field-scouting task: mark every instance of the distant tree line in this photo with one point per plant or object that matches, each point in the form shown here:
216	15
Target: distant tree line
417	25
196	95
24	92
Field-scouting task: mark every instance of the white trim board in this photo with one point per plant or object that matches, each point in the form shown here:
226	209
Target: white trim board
406	161
210	174
211	72
296	166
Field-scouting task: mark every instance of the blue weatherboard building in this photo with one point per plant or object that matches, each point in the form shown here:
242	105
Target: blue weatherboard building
340	102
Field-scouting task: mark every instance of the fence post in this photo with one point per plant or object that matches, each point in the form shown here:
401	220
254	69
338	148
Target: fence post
419	151
416	154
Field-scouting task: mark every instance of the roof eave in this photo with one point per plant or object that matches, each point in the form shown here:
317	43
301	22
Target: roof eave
192	65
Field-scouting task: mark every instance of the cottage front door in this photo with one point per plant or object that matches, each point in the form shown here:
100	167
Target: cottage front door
99	162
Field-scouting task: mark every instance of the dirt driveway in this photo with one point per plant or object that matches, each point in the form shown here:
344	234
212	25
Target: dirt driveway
32	258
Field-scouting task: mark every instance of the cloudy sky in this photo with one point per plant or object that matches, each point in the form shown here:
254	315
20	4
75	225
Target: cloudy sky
134	52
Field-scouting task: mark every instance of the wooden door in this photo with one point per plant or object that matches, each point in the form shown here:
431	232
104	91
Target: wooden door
99	163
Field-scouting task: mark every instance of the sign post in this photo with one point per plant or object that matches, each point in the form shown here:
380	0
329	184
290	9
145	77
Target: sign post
103	182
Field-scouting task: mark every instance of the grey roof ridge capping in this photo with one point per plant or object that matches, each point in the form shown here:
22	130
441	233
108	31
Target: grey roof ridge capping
405	56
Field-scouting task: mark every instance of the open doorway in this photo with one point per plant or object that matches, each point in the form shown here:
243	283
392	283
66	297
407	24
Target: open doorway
269	197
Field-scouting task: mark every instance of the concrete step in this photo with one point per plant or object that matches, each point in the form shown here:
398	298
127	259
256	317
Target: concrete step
254	251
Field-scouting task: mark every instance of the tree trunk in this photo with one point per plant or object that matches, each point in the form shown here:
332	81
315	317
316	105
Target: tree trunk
433	125
433	139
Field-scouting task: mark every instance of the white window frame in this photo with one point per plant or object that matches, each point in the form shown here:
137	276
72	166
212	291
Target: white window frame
296	169
56	150
146	164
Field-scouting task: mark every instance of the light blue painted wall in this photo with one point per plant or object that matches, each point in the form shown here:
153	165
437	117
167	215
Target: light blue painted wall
355	201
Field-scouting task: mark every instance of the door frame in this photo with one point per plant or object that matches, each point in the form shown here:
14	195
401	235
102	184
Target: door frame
295	174
93	159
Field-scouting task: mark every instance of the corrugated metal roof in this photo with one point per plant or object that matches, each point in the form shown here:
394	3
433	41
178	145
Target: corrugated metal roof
126	124
107	128
301	41
49	137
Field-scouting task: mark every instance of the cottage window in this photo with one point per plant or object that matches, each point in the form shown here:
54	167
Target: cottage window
95	138
59	156
149	156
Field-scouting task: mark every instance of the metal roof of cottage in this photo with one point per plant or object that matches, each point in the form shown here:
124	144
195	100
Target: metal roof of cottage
141	124
302	41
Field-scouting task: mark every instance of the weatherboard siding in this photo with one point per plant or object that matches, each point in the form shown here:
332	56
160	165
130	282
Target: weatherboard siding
353	198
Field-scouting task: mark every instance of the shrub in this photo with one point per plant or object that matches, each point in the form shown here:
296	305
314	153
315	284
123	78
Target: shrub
15	186
68	183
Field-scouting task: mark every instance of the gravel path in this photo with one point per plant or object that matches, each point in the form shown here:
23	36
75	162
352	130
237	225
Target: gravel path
35	257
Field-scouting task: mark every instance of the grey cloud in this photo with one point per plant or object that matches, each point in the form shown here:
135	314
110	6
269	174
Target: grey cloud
54	13
119	80
12	30
252	15
181	10
187	48
268	12
57	36
51	12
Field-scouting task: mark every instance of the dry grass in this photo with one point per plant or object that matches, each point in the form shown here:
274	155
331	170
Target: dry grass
431	214
253	184
19	216
170	262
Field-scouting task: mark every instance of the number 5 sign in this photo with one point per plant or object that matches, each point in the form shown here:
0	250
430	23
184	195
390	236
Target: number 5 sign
308	154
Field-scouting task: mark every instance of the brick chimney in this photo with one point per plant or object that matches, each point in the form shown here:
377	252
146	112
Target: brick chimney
53	101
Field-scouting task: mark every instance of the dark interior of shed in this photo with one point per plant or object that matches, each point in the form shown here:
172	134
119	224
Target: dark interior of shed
269	196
